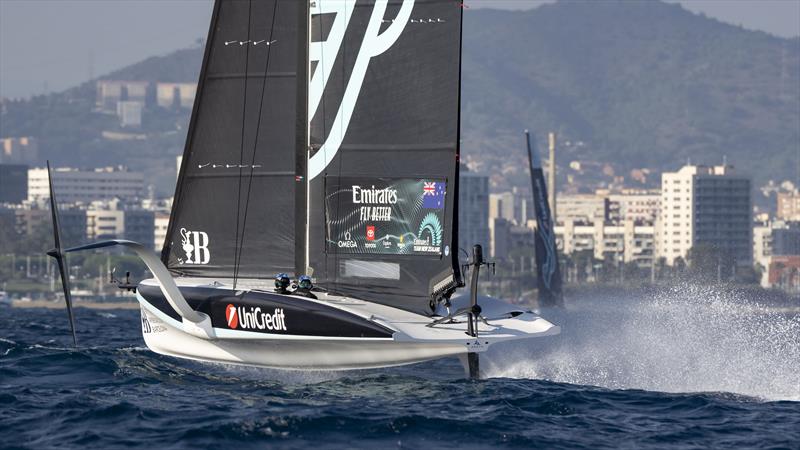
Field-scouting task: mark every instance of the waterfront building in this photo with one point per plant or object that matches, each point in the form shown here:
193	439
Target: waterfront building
637	205
583	208
74	185
473	210
788	206
628	241
13	183
117	220
160	225
705	205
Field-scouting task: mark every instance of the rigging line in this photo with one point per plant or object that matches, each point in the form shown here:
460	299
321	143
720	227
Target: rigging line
339	171
258	128
237	247
324	135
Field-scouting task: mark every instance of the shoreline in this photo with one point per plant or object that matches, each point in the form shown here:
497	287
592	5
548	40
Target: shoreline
47	304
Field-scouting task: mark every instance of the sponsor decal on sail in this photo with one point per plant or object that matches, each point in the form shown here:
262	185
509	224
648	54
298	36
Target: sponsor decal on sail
254	318
195	246
373	44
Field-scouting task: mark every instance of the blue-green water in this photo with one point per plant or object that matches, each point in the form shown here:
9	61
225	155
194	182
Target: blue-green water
688	369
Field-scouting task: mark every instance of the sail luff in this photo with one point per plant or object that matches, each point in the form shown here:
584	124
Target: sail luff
171	227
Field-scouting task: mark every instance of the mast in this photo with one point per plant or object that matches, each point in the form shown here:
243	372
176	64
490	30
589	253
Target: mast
303	192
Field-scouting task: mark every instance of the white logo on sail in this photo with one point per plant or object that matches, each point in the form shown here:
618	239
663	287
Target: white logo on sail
324	54
195	245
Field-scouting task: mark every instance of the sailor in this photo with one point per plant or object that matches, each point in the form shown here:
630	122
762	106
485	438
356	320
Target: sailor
282	282
304	287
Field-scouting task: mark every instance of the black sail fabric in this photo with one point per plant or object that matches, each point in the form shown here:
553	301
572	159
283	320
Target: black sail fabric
384	108
244	160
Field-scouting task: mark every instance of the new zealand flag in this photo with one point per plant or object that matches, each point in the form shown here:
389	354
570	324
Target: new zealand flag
433	194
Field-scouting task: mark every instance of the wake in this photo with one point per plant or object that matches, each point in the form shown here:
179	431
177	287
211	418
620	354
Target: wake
685	339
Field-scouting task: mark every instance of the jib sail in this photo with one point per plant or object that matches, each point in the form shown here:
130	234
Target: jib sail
234	211
384	145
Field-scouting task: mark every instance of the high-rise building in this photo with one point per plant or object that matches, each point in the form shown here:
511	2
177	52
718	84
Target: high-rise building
706	205
473	210
74	185
13	183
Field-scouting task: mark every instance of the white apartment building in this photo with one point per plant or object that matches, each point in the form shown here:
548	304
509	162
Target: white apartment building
632	241
161	222
175	94
582	208
638	205
74	185
705	205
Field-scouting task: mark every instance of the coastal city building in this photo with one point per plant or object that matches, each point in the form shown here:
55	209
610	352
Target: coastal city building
788	206
473	210
629	241
160	225
705	205
130	113
175	95
111	92
772	243
116	220
19	150
637	205
75	185
583	208
13	183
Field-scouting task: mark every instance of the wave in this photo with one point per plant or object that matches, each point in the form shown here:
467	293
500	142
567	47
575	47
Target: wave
683	339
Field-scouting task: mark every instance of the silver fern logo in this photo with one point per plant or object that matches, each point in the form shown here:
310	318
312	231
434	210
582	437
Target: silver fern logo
429	236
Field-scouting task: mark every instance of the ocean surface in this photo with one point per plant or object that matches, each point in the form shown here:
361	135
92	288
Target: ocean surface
687	367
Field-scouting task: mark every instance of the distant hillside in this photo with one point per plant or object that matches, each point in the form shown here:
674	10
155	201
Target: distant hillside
642	84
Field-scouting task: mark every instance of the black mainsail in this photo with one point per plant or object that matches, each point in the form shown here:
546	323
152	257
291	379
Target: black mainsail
384	108
325	140
548	276
234	211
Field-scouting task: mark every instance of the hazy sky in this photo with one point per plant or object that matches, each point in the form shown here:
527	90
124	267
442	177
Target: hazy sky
54	44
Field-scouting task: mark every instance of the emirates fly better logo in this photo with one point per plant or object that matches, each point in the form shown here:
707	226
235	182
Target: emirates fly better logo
252	318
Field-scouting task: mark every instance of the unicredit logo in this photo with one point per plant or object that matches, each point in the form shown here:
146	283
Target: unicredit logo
253	318
232	316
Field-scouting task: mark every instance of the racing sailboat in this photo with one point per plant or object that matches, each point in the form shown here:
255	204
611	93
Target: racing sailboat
323	147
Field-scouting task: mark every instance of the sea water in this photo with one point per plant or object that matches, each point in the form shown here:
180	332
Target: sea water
687	367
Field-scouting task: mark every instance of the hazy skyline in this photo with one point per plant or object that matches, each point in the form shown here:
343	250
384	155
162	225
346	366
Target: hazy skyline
51	45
